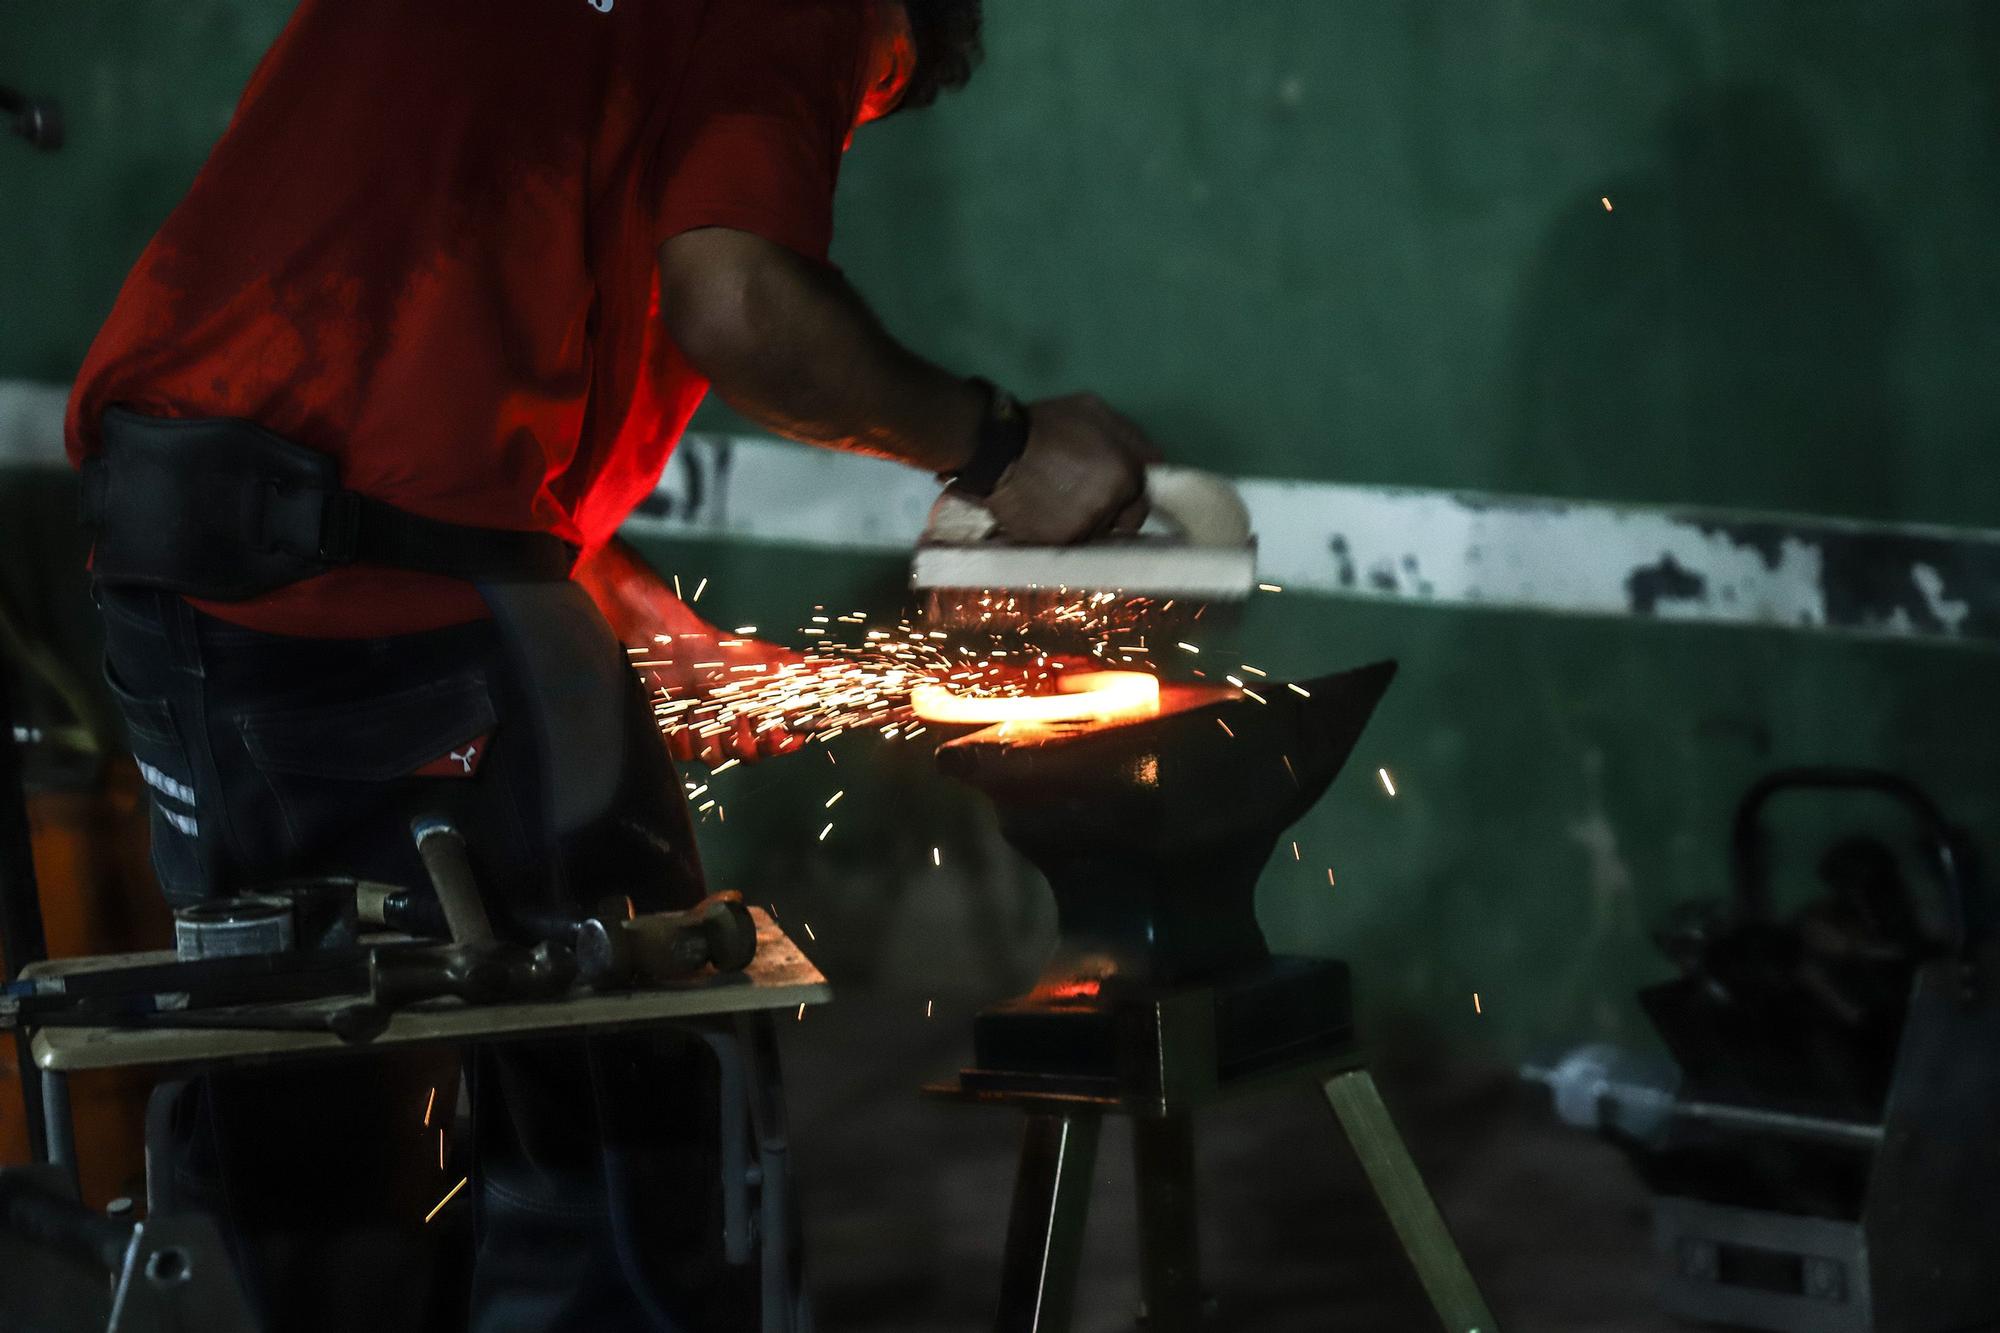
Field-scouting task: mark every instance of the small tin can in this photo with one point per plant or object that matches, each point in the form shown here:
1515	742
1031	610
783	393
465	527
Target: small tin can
233	927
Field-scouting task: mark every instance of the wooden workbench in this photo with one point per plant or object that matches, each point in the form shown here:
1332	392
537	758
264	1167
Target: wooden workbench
780	977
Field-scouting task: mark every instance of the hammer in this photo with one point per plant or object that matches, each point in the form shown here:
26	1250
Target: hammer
662	946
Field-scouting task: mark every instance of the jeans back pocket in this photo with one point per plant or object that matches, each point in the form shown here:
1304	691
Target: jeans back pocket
330	769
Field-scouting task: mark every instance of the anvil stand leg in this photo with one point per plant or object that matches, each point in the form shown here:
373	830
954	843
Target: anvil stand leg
1419	1225
1163	1161
1045	1225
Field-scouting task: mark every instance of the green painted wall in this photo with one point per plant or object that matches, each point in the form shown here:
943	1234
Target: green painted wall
1363	241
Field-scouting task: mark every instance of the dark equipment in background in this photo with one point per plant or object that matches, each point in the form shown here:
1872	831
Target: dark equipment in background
40	122
1821	1149
22	940
1162	996
72	1270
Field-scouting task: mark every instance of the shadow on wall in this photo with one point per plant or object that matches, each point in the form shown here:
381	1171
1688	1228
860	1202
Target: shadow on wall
1721	335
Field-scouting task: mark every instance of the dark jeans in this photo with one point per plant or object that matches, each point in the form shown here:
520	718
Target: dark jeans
595	1198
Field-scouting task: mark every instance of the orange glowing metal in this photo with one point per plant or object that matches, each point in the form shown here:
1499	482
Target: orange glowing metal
1083	696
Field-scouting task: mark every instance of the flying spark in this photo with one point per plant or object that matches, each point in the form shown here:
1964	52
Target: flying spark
1269	587
1475	1003
937	856
802	1013
823	832
1299	690
698	589
428	1104
809	931
446	1199
1225	728
1329	877
1388	783
1606	201
1295	851
836	796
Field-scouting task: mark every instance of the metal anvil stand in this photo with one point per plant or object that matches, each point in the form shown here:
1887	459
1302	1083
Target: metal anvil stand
1162	997
1177	1053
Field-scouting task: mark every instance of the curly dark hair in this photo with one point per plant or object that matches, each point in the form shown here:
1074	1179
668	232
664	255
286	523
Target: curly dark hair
948	48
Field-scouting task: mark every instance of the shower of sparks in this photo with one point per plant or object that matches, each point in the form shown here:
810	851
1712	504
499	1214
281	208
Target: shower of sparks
1388	783
429	1104
446	1199
858	675
1475	1003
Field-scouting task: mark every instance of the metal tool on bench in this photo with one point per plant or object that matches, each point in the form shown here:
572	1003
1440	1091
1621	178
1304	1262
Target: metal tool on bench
1162	995
1820	1145
1194	552
232	988
68	1269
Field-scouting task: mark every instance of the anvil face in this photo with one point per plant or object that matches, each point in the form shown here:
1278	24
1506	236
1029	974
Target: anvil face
1152	831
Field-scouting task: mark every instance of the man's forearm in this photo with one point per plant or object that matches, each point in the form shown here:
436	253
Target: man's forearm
793	347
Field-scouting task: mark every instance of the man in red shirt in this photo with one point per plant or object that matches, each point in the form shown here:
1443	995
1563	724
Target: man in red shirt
421	335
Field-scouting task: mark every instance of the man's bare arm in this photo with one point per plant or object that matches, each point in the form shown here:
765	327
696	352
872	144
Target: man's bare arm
791	346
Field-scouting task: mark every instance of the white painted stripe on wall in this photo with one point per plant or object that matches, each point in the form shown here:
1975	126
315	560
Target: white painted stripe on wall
1402	544
31	421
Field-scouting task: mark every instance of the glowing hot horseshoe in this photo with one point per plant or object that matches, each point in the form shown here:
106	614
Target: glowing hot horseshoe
1086	696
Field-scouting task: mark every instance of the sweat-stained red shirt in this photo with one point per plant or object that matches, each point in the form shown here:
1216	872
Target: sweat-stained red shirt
426	246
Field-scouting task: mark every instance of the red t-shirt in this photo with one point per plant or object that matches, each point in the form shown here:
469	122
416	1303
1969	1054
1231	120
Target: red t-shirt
426	246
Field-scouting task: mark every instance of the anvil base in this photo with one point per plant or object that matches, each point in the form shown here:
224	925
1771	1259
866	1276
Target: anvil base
1163	1044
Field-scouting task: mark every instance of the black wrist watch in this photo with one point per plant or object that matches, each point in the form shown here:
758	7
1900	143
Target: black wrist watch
1003	437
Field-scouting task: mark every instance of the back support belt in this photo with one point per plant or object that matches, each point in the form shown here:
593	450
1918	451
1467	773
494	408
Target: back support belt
224	509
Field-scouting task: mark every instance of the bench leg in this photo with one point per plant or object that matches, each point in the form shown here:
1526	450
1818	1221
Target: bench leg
1163	1161
1045	1225
59	1128
1419	1225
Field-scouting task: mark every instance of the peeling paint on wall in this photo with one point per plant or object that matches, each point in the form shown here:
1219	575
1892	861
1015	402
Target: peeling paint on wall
1402	544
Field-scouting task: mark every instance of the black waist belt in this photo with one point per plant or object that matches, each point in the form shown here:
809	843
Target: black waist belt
224	509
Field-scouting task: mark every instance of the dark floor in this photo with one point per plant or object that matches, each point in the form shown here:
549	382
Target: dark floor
905	1201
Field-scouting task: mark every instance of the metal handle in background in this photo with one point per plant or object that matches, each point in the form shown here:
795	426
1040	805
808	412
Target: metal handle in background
442	848
1952	850
39	121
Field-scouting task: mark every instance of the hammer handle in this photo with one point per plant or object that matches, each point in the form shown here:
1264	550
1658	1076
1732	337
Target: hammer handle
442	848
